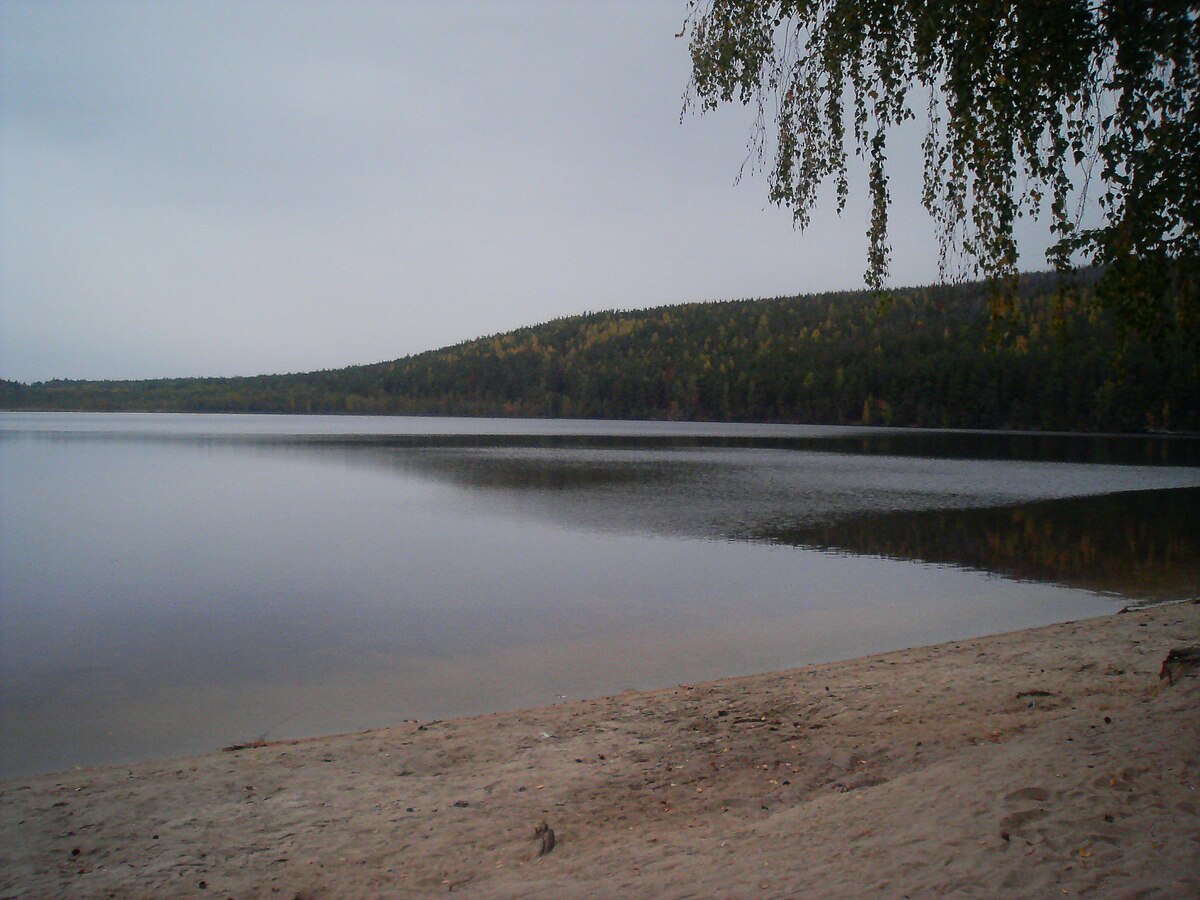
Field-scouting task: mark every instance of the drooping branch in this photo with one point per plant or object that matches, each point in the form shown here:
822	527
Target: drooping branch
1031	105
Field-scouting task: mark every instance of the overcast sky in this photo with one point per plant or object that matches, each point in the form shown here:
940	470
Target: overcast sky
229	188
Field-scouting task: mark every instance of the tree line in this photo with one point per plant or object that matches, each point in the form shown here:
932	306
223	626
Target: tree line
926	357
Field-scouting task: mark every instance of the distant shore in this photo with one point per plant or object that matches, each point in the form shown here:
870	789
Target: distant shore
1052	761
928	358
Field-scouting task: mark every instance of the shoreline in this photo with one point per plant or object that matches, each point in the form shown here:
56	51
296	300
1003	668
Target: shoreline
1046	761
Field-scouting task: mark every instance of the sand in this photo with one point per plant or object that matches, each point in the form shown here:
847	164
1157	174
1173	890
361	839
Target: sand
1041	763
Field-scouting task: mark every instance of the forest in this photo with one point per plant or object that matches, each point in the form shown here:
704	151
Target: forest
924	357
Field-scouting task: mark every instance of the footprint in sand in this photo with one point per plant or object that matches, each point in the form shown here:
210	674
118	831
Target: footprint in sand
1016	820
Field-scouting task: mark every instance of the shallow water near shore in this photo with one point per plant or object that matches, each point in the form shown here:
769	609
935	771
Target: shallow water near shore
172	583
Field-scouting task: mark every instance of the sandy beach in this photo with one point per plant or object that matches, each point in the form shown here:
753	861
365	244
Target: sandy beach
1046	762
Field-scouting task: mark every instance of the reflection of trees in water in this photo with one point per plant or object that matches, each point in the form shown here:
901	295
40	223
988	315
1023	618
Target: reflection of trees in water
1139	543
473	470
1136	543
1101	449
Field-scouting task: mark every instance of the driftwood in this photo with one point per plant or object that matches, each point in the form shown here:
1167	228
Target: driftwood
1179	662
546	834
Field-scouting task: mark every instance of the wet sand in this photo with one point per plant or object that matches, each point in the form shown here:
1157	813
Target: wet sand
1046	762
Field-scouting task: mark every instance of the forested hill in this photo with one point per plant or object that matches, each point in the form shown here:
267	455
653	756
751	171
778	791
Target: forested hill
922	360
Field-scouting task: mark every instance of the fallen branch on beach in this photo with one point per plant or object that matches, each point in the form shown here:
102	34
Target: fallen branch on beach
1180	661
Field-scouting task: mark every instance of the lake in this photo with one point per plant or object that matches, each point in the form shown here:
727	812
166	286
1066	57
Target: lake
170	584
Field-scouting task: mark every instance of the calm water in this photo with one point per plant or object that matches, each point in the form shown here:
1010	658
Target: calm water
172	584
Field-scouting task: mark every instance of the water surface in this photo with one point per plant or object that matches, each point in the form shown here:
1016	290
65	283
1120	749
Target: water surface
174	583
